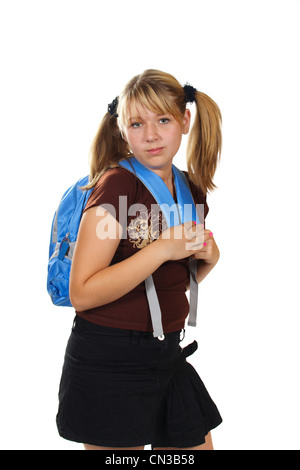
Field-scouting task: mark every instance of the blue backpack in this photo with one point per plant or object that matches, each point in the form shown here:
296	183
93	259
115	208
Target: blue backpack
64	231
65	227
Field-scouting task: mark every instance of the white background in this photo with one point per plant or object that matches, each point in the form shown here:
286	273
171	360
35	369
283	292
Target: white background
61	63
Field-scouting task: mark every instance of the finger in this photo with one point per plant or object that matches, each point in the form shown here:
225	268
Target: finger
198	232
203	248
210	233
203	236
200	240
189	225
193	227
207	236
196	244
203	245
193	244
208	244
199	255
192	231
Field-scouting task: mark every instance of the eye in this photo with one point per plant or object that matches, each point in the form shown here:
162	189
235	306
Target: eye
135	125
164	120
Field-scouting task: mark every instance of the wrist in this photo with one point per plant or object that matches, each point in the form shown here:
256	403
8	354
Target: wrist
212	261
160	250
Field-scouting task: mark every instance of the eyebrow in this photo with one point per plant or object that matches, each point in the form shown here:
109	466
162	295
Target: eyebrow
132	118
139	117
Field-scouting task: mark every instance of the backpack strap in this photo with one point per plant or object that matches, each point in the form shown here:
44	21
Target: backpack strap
185	202
193	264
154	307
175	214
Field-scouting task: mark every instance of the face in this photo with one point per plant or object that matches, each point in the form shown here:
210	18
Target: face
154	139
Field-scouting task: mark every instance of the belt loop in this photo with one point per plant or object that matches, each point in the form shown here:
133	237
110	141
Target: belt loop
135	337
163	341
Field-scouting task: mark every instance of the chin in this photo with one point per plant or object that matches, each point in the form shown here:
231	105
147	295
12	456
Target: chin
156	162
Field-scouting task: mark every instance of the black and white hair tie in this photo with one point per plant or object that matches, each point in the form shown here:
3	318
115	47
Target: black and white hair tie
189	93
113	106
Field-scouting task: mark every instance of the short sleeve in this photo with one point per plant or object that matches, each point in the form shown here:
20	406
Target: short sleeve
115	191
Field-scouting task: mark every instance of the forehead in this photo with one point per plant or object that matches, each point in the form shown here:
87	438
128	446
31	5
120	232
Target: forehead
144	113
143	105
146	109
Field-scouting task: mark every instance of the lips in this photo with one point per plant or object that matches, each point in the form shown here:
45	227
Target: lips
155	151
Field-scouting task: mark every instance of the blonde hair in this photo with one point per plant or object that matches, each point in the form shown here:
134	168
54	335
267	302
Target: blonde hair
160	92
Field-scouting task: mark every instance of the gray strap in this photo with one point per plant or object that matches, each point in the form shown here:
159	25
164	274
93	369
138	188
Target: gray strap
154	306
69	254
54	230
193	292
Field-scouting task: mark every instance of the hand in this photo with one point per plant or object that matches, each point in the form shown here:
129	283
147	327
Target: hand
209	253
182	240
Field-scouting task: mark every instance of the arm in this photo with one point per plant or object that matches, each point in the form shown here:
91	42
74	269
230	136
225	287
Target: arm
93	282
207	256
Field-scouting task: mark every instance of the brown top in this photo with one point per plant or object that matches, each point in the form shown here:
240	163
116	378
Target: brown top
140	228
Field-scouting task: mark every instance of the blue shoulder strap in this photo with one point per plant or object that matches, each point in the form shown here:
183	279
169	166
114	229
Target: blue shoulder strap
175	214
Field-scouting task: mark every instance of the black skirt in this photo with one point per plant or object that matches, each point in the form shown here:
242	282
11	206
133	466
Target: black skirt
122	388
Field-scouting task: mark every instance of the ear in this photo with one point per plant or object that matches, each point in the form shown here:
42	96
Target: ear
186	121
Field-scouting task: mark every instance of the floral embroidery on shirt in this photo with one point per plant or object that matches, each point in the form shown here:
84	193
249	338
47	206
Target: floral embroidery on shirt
146	228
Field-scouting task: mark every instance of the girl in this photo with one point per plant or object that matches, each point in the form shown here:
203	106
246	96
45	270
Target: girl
121	388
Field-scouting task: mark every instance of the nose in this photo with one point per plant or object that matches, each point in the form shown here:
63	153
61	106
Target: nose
151	134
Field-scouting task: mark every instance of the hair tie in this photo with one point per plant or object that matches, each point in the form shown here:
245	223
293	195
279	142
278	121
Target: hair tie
113	106
189	93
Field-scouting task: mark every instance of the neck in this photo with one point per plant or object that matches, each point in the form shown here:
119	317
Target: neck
167	177
166	174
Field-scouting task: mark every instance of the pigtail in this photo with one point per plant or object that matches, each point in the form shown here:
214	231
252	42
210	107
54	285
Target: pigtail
160	92
204	143
107	149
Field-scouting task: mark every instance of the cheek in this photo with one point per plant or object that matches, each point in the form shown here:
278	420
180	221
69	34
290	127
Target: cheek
132	139
133	144
176	139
